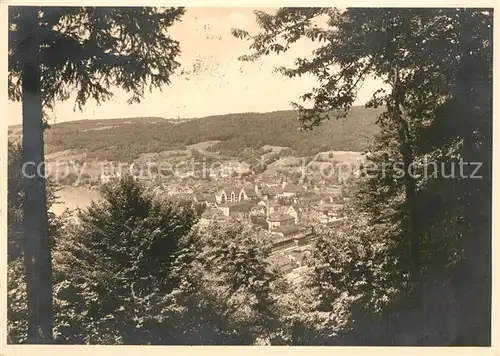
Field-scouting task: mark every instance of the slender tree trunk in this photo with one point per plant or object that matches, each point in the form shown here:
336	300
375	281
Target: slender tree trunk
37	254
412	228
412	223
406	150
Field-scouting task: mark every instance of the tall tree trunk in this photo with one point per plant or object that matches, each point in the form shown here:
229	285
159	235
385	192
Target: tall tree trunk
406	150
37	245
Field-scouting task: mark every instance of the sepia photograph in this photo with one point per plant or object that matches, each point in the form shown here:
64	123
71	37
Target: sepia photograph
249	176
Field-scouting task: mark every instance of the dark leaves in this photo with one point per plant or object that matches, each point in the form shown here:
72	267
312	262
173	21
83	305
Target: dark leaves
90	49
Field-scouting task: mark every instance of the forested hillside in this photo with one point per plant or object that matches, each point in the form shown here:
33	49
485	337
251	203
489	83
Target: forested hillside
127	139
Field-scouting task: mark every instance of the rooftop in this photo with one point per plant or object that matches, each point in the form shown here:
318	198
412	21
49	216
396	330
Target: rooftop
268	190
280	217
250	192
181	196
311	198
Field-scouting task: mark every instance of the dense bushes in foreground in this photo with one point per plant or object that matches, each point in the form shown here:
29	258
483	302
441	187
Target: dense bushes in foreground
132	270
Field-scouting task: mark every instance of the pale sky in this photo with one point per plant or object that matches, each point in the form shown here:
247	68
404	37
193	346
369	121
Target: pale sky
224	84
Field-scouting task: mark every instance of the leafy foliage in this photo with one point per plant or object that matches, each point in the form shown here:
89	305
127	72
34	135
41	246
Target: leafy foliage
90	49
122	253
112	269
17	313
436	69
52	52
229	277
15	201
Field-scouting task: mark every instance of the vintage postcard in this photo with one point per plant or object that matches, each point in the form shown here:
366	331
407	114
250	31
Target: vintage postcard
260	175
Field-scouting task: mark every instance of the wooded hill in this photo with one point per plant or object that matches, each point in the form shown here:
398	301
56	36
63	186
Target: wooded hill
126	139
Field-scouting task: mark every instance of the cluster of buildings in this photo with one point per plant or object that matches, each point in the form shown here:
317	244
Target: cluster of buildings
288	211
229	169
